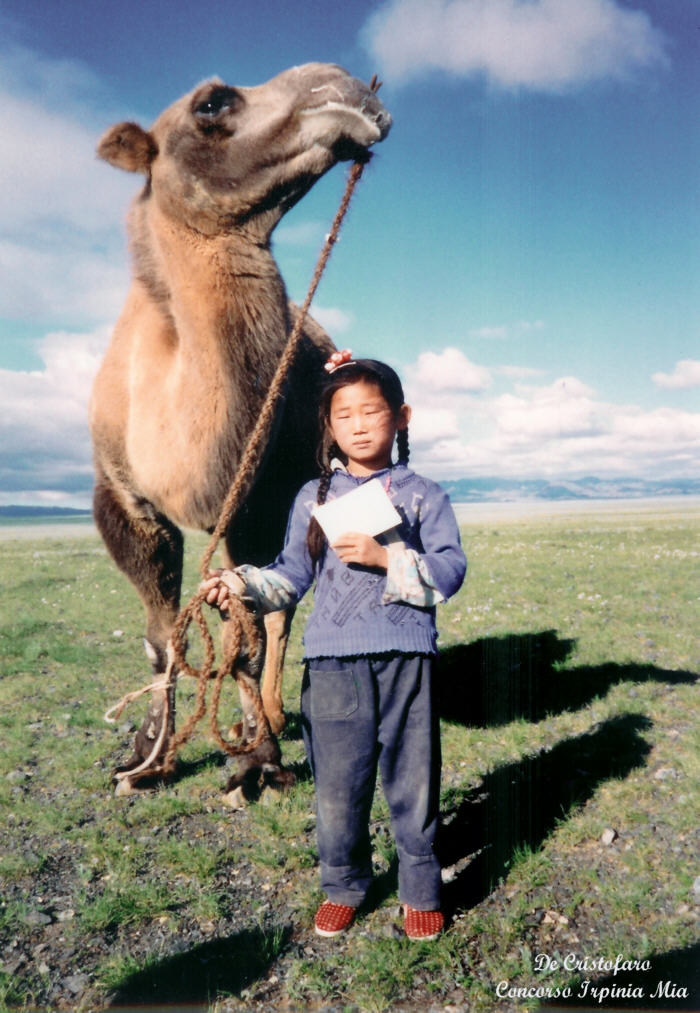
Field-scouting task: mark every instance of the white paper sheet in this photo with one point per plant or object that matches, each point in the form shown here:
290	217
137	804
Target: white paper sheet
366	509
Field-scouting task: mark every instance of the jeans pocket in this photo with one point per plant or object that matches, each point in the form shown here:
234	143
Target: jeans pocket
334	695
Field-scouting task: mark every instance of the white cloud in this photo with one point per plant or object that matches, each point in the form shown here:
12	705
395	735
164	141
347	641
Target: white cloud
489	332
564	409
332	319
64	281
300	234
555	430
449	370
433	425
543	45
62	252
518	372
685	374
502	331
44	439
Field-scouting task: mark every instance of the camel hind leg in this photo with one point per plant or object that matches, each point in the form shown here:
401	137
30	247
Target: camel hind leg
148	549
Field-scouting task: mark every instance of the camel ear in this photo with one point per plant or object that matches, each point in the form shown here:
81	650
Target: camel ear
128	146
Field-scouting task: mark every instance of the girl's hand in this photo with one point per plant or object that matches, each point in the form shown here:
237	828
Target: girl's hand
354	547
220	585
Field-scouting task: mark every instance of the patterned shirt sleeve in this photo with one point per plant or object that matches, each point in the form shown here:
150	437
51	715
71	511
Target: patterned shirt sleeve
408	579
270	591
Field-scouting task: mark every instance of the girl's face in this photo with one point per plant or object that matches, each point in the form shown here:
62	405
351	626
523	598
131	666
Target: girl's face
364	426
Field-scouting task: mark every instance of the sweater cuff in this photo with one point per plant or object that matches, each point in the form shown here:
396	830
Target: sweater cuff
408	579
269	591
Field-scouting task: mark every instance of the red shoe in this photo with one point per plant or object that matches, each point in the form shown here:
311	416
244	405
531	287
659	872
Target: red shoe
332	919
423	925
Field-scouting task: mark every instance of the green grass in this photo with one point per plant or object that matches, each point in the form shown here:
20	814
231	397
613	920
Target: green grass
570	706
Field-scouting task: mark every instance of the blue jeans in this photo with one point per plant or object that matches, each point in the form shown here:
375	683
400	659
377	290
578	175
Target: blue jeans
359	714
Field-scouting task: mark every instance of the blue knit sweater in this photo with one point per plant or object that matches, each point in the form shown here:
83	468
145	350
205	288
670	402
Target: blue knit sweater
349	615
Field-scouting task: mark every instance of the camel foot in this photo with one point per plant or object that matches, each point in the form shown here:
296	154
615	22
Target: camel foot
124	787
277	721
235	799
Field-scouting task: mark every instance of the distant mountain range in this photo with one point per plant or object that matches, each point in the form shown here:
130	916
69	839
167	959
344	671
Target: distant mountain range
485	490
468	490
40	511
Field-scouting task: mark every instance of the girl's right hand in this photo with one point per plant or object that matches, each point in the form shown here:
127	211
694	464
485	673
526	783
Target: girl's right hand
220	585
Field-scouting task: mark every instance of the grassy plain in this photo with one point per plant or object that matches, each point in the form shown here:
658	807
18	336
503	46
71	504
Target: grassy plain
570	708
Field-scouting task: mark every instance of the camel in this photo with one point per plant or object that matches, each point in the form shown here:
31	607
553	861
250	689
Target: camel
196	345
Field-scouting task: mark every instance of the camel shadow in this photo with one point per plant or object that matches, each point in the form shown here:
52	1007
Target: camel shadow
496	680
518	805
191	980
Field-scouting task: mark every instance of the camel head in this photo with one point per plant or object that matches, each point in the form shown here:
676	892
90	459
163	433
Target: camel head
222	157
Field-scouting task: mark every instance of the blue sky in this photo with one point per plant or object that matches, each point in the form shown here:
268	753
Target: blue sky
524	248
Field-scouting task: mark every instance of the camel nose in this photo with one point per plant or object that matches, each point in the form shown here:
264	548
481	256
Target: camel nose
331	85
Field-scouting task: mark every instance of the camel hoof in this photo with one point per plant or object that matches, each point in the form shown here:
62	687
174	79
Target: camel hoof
235	799
124	787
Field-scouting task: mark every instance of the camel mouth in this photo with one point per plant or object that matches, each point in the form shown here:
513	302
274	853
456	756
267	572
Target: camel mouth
365	128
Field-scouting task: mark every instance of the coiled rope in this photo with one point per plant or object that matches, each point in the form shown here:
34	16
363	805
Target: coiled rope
244	634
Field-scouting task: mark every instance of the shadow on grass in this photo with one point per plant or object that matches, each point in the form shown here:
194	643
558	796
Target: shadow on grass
500	679
195	978
518	805
662	987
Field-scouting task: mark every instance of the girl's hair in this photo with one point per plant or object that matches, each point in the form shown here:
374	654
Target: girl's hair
355	371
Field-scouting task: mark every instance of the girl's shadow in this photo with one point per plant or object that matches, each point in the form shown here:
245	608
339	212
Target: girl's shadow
518	805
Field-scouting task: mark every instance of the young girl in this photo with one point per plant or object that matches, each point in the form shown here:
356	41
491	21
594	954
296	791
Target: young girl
367	696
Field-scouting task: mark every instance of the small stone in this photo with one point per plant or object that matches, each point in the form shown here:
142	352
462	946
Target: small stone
665	774
76	983
696	887
126	728
65	916
17	775
13	965
38	918
608	836
118	633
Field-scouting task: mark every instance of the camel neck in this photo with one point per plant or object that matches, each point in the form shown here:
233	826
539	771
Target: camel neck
215	289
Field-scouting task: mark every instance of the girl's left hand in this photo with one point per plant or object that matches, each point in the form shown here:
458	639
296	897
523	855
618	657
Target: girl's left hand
354	547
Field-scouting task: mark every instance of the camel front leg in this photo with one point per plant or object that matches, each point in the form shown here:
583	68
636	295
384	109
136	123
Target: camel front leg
148	549
277	627
262	765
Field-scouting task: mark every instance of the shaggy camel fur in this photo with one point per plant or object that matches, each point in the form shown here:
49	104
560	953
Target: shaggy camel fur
198	340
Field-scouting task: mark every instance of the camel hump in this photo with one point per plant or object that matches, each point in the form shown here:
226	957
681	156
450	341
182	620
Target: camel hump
128	146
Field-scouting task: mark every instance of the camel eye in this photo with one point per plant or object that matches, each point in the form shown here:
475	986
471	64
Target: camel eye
219	101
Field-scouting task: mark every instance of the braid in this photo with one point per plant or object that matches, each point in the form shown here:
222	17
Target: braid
315	538
402	445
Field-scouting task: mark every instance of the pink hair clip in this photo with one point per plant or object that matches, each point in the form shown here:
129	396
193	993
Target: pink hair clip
337	360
